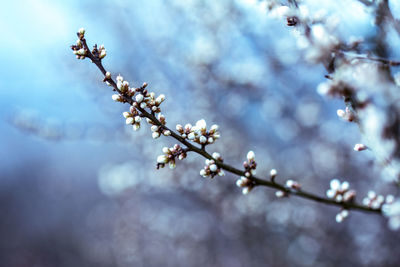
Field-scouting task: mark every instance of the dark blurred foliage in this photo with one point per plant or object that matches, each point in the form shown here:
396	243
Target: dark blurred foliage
79	188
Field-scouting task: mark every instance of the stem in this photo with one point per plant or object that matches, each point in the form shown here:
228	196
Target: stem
201	151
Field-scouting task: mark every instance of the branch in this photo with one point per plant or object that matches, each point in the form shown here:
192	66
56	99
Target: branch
82	50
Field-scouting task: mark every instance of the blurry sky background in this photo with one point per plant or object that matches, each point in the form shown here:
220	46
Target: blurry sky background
79	188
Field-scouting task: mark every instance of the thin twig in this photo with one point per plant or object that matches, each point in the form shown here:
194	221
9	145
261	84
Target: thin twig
199	150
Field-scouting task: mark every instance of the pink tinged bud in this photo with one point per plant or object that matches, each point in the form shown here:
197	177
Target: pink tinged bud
108	75
155	135
139	98
116	97
136	126
251	156
360	147
162	159
126	114
167	132
213	167
203	139
154	128
129	120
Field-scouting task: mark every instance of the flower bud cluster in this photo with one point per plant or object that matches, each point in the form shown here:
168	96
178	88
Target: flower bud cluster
250	165
199	133
372	200
170	155
294	185
246	184
392	212
340	192
343	214
157	130
132	117
99	52
78	49
211	169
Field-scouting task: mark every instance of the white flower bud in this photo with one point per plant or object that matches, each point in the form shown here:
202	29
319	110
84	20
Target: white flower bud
81	31
341	113
239	183
279	194
221	172
345	186
246	190
116	97
172	165
126	114
108	75
335	184
160	99
154	128
210	140
102	54
139	98
330	193
216	156
143	105
138	118
203	139
203	172
200	125
214	127
179	128
251	156
191	136
162	159
188	126
136	126
155	135
273	173
213	167
129	120
120	78
167	132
